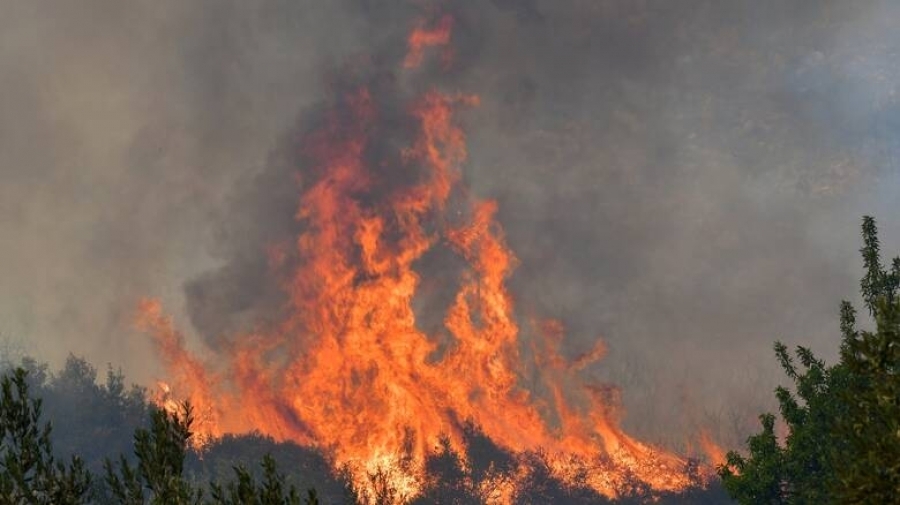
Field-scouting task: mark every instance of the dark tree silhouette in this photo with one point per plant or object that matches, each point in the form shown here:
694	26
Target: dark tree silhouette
29	472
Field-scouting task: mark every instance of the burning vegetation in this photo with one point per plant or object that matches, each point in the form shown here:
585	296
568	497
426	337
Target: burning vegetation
347	368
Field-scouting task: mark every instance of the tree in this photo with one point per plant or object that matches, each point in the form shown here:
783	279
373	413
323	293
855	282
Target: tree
93	420
303	467
158	478
871	426
30	474
271	491
28	471
843	444
160	451
449	481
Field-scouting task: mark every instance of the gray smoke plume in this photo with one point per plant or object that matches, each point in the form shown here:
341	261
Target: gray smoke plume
683	179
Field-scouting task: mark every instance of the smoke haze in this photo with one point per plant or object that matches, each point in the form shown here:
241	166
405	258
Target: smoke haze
683	179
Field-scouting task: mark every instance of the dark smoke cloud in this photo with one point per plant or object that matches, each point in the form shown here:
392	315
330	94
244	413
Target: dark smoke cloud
684	179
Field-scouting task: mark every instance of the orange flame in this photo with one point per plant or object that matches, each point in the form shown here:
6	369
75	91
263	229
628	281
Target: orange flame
189	374
422	37
714	452
349	370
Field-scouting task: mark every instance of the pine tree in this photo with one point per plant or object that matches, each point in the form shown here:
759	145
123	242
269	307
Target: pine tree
158	477
29	472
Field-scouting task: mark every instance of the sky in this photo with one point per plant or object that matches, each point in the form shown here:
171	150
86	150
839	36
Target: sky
684	179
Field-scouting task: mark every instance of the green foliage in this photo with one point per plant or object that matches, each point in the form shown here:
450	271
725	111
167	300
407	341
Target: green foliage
271	491
28	470
871	426
29	473
158	477
843	421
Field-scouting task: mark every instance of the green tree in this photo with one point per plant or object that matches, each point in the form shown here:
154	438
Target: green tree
30	474
28	471
160	450
843	442
158	477
271	491
870	468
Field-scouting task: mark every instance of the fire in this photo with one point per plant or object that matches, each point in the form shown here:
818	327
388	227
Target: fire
188	374
714	452
422	37
348	369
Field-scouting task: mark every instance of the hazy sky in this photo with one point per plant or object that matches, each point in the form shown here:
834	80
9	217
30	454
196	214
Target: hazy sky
684	178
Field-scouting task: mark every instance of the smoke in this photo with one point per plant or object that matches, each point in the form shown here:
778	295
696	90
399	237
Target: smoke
683	179
124	130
